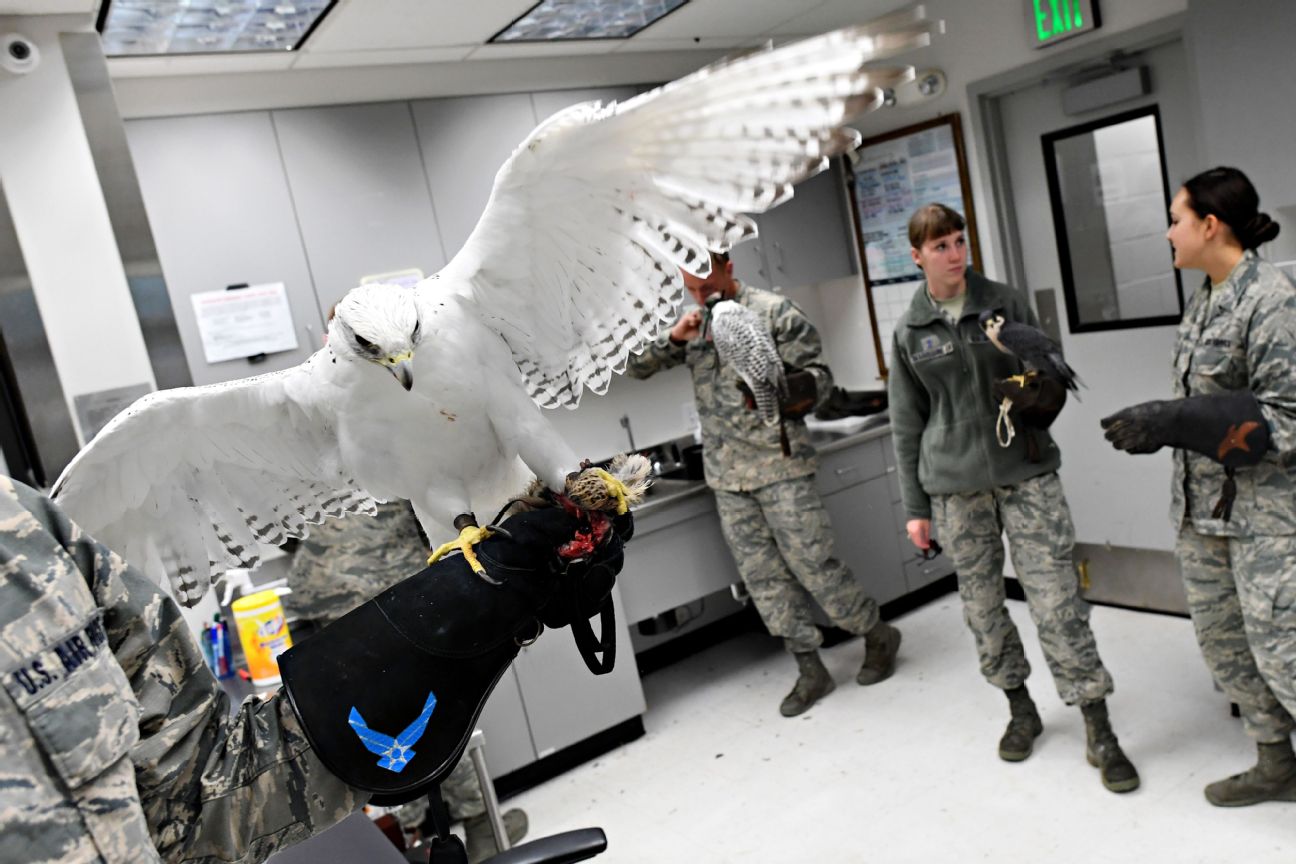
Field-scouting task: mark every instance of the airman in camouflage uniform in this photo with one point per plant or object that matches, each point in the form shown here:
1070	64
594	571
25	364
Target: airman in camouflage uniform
1235	405
770	511
954	472
1240	574
116	742
341	564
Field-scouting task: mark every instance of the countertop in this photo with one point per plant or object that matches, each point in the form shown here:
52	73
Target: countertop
670	490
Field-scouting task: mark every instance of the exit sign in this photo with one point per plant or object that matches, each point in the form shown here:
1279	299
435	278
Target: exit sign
1049	21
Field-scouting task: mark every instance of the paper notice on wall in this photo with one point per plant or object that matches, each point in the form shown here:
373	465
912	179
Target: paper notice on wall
244	322
404	278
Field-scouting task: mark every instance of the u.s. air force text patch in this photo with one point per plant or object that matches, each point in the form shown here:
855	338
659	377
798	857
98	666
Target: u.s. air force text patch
46	669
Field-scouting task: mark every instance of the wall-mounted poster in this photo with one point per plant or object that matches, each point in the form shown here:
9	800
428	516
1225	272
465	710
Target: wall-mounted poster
251	320
892	176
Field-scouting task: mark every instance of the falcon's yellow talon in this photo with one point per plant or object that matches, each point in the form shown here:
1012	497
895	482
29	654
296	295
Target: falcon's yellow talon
468	537
616	489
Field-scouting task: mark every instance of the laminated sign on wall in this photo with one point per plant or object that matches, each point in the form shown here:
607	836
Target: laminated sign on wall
243	323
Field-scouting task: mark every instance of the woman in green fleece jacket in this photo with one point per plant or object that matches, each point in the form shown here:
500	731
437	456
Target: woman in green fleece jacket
954	471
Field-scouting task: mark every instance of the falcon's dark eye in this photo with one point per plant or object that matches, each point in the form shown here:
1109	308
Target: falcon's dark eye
363	342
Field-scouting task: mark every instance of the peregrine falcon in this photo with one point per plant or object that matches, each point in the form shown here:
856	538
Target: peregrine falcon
1030	345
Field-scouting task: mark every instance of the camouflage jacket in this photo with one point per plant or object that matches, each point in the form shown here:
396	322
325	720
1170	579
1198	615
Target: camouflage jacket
344	562
1243	338
116	743
739	452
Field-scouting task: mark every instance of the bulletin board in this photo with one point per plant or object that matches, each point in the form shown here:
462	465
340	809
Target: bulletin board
891	176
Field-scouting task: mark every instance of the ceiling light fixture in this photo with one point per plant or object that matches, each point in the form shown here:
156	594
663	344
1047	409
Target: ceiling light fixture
563	20
133	28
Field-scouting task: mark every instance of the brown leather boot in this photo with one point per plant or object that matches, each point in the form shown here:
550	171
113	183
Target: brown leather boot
812	684
881	644
1104	752
1025	726
1272	778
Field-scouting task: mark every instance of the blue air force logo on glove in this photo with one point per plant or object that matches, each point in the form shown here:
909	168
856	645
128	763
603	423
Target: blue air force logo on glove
396	752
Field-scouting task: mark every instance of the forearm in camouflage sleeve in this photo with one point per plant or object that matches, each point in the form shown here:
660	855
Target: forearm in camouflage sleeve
659	355
1271	356
212	787
801	348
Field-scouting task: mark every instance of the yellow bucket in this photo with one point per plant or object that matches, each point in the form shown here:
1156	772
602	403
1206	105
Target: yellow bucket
263	633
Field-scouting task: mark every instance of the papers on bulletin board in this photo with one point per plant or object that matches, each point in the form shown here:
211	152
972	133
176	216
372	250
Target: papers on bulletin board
404	278
244	322
893	179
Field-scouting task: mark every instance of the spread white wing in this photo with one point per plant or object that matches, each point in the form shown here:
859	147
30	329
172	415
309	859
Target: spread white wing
575	260
190	480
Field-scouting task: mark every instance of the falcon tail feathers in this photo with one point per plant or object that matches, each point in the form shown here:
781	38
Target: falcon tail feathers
634	471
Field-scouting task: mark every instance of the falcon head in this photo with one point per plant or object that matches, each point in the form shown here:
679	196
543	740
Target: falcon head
991	320
378	323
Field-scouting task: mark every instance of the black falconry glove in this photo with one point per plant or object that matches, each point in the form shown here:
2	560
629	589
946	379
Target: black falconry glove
1227	427
389	694
802	392
1036	399
798	400
1032	400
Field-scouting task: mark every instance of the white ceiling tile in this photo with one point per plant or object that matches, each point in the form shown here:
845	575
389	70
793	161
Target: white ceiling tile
837	13
47	7
726	18
359	25
702	43
320	60
197	64
570	48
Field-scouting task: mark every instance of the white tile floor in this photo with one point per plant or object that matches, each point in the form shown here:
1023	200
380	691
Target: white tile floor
907	770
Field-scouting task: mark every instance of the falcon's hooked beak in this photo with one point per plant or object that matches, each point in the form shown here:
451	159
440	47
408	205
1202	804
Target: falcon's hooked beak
402	366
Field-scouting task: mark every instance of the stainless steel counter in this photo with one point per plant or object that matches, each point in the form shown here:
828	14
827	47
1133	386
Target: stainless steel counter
666	491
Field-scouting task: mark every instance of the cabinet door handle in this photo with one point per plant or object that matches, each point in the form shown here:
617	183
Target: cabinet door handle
891	469
840	471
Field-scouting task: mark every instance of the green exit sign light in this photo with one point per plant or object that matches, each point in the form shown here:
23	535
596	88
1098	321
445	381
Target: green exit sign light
1049	21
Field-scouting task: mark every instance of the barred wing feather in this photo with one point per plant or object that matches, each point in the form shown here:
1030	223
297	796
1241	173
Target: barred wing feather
575	260
190	481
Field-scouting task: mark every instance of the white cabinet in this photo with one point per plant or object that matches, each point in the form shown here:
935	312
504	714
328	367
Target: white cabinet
548	699
359	192
803	241
221	214
464	142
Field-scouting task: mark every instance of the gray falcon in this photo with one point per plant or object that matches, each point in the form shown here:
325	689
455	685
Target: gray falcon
1030	345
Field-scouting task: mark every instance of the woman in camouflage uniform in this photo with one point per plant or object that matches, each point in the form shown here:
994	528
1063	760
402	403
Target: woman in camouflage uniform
954	472
1233	424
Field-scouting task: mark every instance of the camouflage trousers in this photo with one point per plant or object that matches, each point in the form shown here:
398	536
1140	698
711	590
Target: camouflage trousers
1242	599
782	541
462	792
1037	520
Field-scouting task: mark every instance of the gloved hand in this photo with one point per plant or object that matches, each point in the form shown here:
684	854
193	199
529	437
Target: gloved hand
388	694
802	393
1227	427
1036	399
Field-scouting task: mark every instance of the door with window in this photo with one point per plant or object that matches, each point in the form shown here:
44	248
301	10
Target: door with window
1089	192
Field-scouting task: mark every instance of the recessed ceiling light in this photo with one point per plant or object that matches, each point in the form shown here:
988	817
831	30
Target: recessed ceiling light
561	20
132	28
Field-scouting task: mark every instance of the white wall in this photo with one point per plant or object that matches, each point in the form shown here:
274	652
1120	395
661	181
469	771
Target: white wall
62	222
1244	61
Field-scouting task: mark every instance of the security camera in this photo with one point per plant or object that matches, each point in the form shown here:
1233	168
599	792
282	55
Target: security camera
18	54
